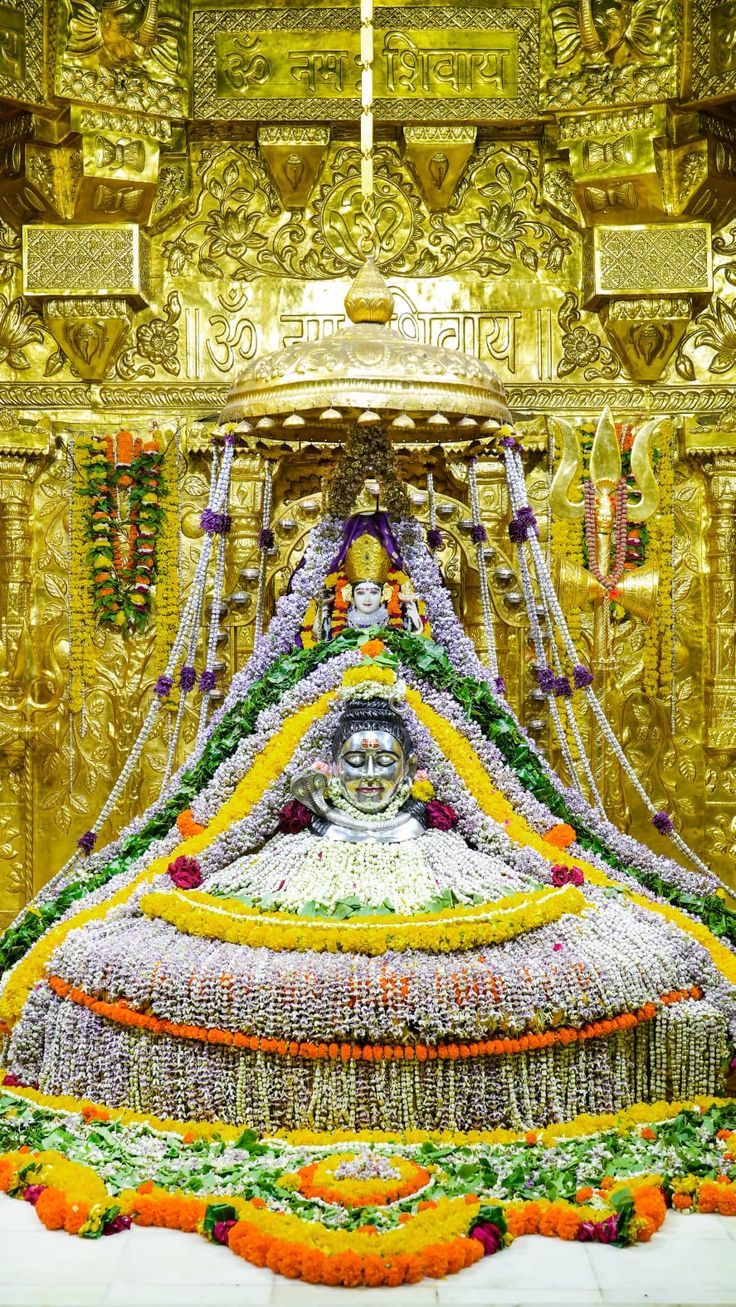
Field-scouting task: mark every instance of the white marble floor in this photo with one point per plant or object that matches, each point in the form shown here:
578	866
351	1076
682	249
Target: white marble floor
691	1261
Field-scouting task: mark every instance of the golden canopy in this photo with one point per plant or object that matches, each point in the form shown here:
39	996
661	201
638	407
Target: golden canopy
367	372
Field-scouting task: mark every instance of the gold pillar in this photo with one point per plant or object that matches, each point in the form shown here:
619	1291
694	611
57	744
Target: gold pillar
19	468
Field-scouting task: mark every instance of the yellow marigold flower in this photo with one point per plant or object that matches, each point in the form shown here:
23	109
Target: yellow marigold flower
423	790
369	672
289	1181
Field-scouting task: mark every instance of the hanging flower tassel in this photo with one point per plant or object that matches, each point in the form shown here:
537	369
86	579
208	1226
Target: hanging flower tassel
435	539
216	523
188	672
265	542
479	537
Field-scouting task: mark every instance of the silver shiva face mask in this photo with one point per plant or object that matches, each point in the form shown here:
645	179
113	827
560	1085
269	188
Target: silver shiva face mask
370	768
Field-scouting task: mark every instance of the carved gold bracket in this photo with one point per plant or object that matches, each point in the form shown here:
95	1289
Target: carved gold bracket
645	185
87	279
294	155
438	156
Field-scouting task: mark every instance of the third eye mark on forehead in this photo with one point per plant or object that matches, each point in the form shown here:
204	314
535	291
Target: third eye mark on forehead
384	757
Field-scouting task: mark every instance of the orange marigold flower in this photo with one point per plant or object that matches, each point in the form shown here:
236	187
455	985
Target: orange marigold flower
584	1194
372	648
7	1174
561	835
187	825
648	1133
682	1201
51	1208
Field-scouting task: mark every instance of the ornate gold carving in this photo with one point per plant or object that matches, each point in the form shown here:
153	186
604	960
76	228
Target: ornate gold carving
713	48
294	154
618	172
234	232
303	64
582	350
86	260
438	156
91	332
21	51
674	258
604	53
156	343
129	58
119	123
32	181
646	332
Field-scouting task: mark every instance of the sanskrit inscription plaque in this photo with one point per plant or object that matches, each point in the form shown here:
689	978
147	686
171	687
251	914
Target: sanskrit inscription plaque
264	65
303	64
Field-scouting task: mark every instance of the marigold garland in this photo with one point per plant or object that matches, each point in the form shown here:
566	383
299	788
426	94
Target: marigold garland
167	566
318	1180
82	661
430	1241
124	1014
464	927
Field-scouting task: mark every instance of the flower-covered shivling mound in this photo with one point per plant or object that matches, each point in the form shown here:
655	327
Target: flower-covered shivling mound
369	992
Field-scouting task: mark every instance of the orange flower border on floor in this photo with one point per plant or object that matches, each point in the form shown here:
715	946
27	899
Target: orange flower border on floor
318	1180
434	1240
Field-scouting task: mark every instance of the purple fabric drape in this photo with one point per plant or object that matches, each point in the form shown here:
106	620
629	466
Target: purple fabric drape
372	524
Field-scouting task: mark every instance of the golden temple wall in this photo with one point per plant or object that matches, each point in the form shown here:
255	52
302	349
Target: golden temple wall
556	192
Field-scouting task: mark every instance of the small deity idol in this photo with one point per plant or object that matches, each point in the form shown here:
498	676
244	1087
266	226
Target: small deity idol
366	586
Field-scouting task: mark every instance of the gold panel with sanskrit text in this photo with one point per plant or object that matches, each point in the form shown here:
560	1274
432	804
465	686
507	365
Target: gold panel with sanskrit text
303	64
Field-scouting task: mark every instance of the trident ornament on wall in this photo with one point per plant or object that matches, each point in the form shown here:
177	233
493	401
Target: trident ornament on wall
602	500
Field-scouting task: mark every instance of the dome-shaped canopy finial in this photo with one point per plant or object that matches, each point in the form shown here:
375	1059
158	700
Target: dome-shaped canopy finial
369	298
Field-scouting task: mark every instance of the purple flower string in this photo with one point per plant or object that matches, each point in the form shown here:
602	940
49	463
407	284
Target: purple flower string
435	539
562	687
187	678
510	442
499	685
582	676
663	823
522	524
546	679
87	841
266	538
478	533
163	686
207	681
215	523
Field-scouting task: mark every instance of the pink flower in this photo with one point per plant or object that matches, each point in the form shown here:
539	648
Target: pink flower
488	1235
221	1230
440	816
294	817
323	767
557	947
117	1224
185	872
32	1193
562	875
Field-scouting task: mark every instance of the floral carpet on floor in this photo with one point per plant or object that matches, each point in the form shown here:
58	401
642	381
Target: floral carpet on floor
367	1208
